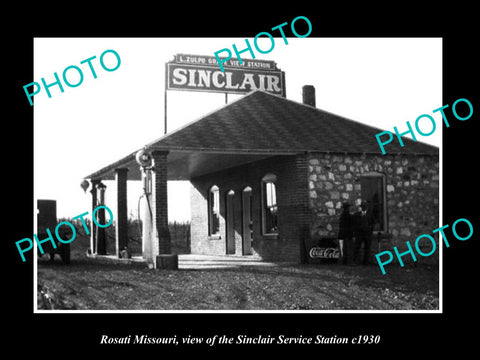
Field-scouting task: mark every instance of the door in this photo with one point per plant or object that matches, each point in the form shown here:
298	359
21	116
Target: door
230	221
247	228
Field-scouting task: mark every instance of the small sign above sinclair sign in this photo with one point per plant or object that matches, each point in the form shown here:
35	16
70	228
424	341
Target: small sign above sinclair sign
201	73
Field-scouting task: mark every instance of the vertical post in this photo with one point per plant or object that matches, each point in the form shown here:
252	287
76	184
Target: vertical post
162	247
165	114
147	237
93	227
165	100
121	228
284	86
101	239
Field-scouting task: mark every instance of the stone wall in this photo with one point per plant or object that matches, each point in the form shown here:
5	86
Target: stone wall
411	189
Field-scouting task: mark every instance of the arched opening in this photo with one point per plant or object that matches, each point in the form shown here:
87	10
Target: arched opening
214	211
230	222
247	221
269	205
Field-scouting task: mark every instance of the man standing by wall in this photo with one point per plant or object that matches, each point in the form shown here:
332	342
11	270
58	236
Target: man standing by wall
345	235
363	226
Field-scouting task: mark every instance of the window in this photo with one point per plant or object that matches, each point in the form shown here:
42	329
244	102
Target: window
373	191
214	211
269	205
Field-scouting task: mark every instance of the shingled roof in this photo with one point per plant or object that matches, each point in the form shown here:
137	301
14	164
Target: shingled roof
261	122
260	125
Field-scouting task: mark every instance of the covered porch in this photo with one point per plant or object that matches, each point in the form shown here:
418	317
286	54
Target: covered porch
161	165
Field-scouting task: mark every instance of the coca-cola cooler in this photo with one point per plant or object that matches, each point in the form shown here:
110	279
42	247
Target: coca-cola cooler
324	250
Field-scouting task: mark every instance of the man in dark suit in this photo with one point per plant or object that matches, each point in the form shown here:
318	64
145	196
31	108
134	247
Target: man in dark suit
345	234
363	226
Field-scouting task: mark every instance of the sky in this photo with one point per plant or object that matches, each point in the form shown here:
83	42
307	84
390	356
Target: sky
382	82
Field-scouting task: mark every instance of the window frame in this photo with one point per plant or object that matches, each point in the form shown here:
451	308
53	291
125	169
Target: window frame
268	178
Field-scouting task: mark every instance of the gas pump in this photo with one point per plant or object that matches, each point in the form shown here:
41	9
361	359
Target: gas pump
144	159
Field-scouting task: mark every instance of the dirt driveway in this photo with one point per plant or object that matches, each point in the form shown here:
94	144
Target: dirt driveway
233	284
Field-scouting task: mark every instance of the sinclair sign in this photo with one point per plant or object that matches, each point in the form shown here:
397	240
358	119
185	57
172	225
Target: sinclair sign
201	73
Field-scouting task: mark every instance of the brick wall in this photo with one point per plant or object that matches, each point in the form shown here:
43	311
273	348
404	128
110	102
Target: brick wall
121	217
310	192
292	199
412	194
160	205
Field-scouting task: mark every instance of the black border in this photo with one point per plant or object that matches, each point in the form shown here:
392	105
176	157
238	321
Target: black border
408	334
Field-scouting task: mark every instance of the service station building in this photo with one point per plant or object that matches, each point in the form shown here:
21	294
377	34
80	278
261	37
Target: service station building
269	176
268	179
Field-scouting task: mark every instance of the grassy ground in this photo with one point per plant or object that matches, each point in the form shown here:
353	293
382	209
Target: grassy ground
89	285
